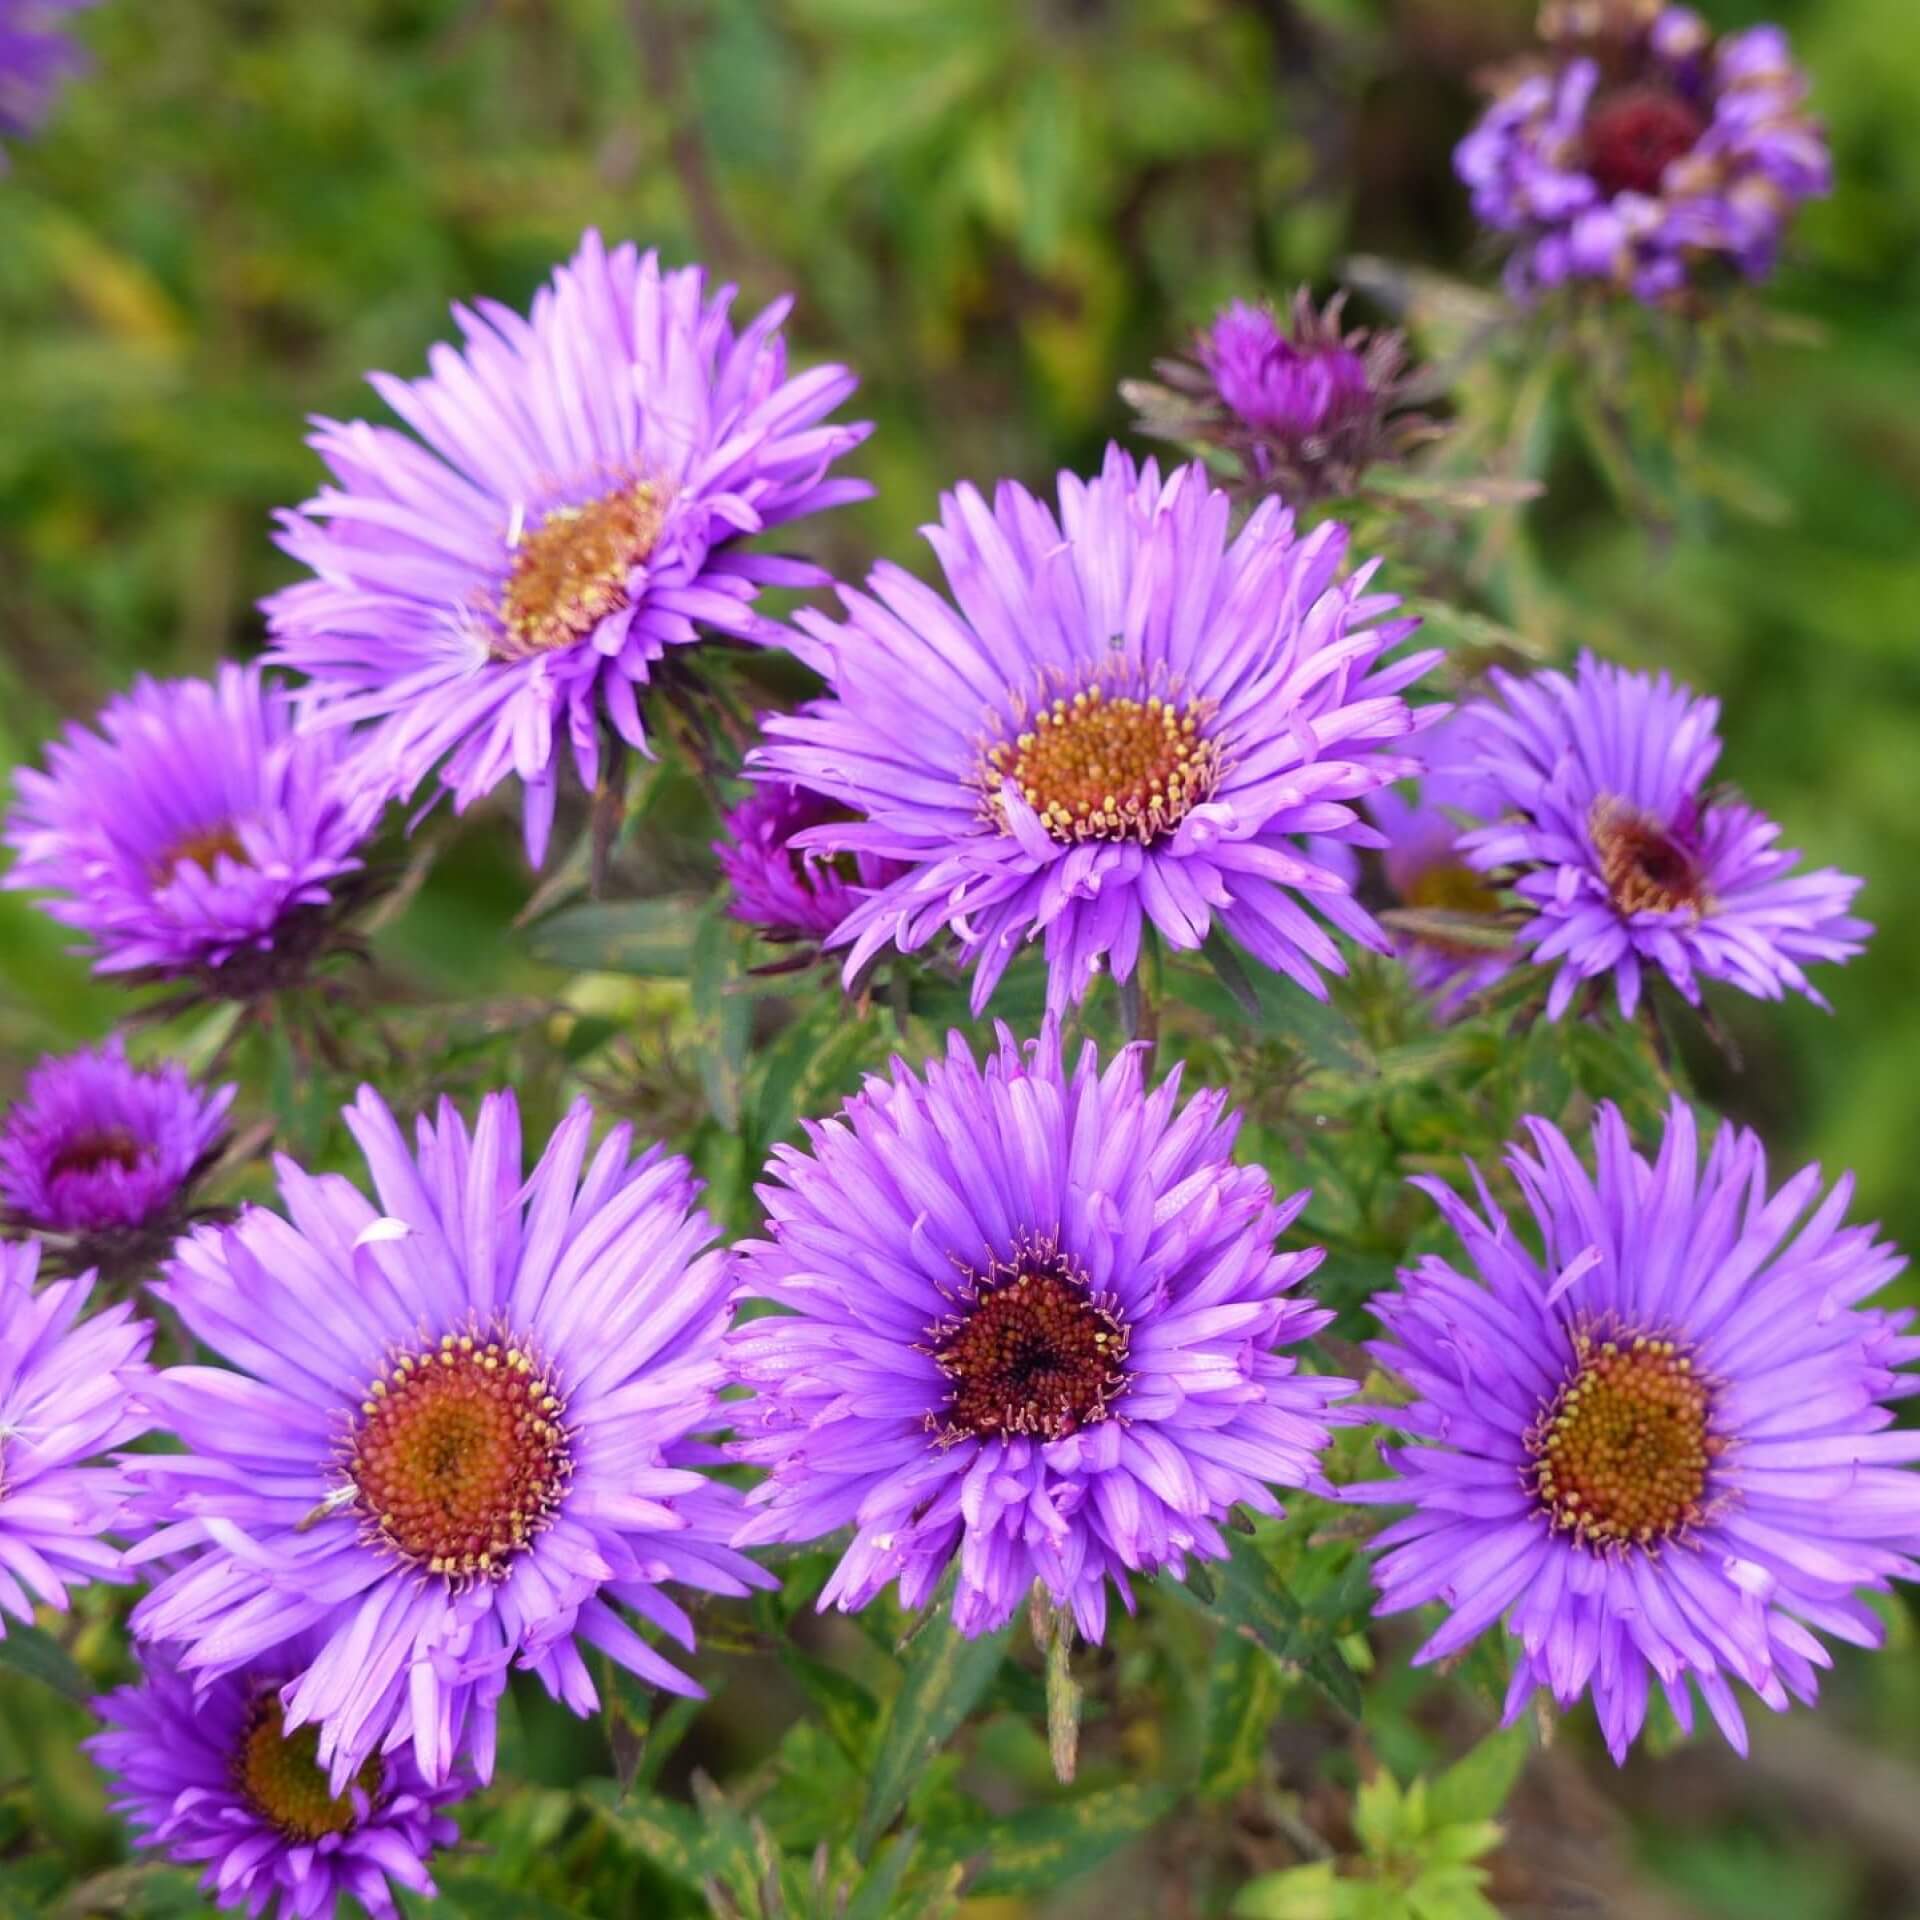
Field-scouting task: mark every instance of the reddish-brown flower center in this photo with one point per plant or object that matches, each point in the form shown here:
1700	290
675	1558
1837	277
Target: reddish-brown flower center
1034	1350
1646	869
1622	1452
572	569
1106	767
203	849
96	1150
460	1455
282	1779
1635	133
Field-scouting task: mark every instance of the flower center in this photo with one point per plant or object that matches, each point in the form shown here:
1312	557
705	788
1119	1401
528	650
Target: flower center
459	1456
1034	1351
1646	869
1621	1453
203	849
281	1777
94	1151
1633	135
572	569
1100	767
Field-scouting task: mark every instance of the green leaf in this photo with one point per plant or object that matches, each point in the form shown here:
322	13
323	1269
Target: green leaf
689	1845
1299	1893
650	937
470	1897
946	1674
38	1655
1240	1707
1476	1786
1037	1849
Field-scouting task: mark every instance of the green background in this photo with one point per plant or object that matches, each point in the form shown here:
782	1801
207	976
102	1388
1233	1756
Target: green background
995	210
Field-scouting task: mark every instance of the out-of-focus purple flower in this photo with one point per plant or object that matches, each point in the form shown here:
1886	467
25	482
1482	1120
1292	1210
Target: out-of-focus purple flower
1304	406
455	1433
197	835
36	57
70	1389
1660	1451
1122	717
1035	1327
785	891
1623	857
212	1777
104	1155
578	500
1646	153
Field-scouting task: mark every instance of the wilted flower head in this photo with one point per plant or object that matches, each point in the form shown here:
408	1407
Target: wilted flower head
104	1154
36	55
581	502
455	1433
1645	153
1123	716
785	891
211	1776
1035	1326
69	1391
1659	1451
197	834
1625	859
1305	406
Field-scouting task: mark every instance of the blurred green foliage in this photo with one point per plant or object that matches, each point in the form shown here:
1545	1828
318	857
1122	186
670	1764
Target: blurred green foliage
995	209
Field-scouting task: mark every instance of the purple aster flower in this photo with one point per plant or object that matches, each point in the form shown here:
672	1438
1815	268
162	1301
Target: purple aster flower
786	892
36	57
1303	405
455	1432
1125	719
211	1776
1659	1451
105	1154
1036	1327
1625	860
197	834
1644	152
579	504
68	1392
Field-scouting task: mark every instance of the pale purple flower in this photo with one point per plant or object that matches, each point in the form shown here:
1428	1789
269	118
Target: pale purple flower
1647	156
37	57
1035	1329
1658	1448
578	498
70	1389
785	891
454	1433
104	1154
211	1777
196	835
1626	859
1123	717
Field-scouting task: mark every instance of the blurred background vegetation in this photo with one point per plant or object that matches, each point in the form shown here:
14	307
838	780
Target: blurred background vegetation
994	209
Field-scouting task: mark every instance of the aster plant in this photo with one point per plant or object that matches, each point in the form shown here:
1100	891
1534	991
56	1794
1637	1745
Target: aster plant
101	1156
212	1778
37	56
195	835
456	1432
1036	1329
1123	718
783	891
1645	154
577	493
1659	1447
1628	864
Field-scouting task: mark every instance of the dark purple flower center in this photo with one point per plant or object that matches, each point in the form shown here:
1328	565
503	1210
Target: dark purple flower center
1034	1351
204	848
1105	767
94	1151
573	569
459	1456
1621	1453
1635	133
1646	868
283	1781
